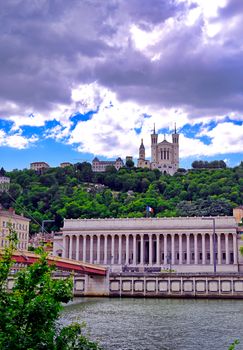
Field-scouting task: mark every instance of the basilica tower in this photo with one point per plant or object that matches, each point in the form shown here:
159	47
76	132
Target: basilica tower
175	141
142	151
154	142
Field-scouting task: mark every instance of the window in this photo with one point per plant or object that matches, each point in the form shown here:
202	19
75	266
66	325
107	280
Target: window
224	256
208	256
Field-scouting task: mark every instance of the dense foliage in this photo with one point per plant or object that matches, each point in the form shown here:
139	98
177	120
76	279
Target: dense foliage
215	164
77	192
28	315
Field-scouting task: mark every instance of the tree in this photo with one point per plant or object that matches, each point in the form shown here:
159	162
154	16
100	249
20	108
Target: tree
28	315
129	163
2	172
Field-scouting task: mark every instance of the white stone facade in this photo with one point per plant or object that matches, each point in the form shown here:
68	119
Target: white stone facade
180	244
164	155
101	165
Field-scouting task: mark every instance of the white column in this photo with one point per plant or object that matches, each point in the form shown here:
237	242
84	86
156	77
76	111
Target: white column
195	250
165	249
180	249
211	249
91	254
172	249
150	250
188	260
203	250
84	247
70	247
98	249
105	250
77	247
157	249
127	249
235	247
65	247
120	249
219	248
112	249
134	250
227	248
142	250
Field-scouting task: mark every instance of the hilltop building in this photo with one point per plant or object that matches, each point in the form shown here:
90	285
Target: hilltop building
4	183
164	155
19	224
101	165
65	164
39	166
184	244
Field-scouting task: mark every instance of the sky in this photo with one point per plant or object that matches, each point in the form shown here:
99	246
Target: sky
80	79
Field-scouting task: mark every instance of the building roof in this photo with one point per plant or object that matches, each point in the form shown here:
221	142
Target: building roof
175	223
11	214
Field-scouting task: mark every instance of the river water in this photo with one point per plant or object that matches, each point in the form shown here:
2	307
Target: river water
159	324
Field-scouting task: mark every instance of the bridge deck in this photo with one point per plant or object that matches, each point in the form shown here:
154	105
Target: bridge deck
28	258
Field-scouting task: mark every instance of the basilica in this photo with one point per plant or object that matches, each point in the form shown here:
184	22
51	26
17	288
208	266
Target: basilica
164	155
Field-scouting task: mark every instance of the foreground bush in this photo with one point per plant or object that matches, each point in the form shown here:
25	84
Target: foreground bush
29	314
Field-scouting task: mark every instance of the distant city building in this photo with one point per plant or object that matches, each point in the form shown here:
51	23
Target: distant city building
4	183
184	244
42	239
101	165
164	155
39	166
238	213
65	164
18	223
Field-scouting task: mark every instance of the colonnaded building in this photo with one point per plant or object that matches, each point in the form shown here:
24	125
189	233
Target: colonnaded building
164	155
184	244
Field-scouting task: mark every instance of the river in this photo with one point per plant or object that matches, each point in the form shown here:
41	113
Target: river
159	324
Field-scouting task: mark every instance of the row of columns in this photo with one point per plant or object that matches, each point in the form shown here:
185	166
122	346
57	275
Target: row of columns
68	250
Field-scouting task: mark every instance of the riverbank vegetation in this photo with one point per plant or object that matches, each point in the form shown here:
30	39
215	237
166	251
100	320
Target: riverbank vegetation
29	314
77	192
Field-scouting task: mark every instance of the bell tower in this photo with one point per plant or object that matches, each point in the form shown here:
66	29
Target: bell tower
175	140
142	151
154	142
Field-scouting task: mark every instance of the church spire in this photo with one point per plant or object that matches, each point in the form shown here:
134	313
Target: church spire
175	128
154	128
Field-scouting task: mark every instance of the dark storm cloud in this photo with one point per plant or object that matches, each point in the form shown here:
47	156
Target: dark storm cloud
49	46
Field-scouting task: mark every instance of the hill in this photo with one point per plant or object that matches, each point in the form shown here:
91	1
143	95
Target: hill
77	192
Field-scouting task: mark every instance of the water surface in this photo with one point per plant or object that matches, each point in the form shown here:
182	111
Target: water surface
159	324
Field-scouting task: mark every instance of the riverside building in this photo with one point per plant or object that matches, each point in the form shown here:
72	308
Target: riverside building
20	224
183	244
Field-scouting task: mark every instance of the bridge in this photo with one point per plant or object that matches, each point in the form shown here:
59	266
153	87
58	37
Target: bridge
28	258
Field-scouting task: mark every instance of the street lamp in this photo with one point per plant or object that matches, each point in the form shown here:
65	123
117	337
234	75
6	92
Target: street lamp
43	225
214	243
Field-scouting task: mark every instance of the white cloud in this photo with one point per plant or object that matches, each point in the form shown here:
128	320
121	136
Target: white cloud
226	138
16	140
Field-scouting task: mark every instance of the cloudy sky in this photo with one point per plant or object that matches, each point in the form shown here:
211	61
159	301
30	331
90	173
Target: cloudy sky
85	78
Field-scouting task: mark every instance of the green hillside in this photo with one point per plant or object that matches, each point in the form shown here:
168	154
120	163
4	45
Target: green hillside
77	192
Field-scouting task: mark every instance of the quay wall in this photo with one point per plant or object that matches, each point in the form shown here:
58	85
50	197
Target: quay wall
156	285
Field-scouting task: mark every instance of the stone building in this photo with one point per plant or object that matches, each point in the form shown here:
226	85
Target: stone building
19	224
4	183
164	155
184	244
101	165
238	214
39	166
